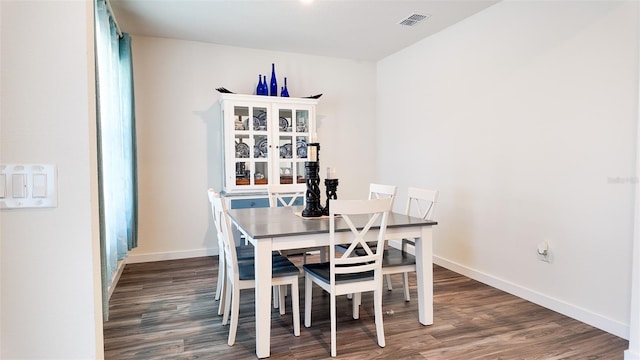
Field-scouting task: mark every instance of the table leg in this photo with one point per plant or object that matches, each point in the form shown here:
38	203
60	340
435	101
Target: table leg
263	297
424	274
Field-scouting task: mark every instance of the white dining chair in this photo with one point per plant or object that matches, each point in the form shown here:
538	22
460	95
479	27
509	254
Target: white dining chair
241	275
420	203
381	191
243	252
216	221
221	258
289	195
286	194
348	272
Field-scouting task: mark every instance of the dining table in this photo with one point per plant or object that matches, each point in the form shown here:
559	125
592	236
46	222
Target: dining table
283	228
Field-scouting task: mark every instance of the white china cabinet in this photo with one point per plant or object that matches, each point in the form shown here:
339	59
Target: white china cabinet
265	142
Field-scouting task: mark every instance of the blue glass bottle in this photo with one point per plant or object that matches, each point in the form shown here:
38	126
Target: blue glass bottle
284	92
259	87
274	81
265	88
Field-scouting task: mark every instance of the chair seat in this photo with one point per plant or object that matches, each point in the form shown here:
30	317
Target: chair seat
322	271
281	267
244	252
394	257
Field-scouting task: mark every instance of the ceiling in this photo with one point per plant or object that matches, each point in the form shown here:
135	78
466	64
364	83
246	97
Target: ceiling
366	30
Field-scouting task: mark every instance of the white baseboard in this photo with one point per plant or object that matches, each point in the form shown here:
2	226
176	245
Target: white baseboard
116	277
172	255
628	355
575	312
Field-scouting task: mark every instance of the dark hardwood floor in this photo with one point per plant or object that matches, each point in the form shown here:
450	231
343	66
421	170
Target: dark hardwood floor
166	310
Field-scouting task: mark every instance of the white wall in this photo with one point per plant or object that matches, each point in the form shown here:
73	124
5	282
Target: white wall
524	116
179	137
49	258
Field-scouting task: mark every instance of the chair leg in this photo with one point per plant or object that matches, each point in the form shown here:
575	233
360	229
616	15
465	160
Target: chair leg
355	305
221	271
405	285
388	277
281	291
220	281
227	303
295	305
235	308
276	297
307	300
333	325
377	302
223	295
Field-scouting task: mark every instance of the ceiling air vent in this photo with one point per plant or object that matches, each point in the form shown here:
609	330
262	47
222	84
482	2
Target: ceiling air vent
413	19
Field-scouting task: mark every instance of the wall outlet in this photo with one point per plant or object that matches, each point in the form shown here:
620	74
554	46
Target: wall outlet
543	252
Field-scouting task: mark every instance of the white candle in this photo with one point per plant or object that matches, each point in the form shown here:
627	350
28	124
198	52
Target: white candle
314	138
313	153
331	173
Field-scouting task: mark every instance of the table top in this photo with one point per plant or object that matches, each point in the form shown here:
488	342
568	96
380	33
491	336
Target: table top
270	222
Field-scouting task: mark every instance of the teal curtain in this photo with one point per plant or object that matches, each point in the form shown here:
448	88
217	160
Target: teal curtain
117	170
129	134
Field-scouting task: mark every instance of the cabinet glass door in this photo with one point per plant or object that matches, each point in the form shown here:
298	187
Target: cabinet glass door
293	135
251	135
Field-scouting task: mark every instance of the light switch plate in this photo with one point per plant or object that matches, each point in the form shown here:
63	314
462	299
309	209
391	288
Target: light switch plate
28	186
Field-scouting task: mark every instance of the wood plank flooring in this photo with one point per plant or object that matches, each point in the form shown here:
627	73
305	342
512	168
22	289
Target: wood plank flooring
166	310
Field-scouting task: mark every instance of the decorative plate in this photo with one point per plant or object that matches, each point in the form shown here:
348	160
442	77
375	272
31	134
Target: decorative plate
286	151
242	150
284	124
262	120
301	149
261	149
256	123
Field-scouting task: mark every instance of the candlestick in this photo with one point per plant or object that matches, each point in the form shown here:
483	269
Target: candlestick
331	186
312	175
312	195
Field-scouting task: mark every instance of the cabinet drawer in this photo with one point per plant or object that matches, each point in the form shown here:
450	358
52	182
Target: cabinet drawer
249	203
260	202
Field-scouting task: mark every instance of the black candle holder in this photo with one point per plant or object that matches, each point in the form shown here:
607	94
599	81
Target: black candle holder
312	195
331	186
